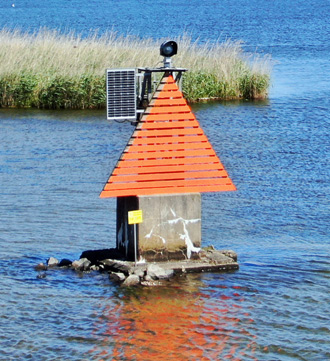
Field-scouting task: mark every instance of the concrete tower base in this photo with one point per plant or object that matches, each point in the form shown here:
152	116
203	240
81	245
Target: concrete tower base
171	227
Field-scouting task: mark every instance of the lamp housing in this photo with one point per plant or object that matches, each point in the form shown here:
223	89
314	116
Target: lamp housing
168	48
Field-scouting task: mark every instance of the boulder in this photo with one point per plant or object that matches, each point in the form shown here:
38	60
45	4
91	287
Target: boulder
117	276
230	254
65	263
83	264
40	267
157	273
132	280
96	256
52	262
139	272
218	257
147	278
115	265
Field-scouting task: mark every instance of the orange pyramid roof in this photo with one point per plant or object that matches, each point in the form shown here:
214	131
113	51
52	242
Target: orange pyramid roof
168	152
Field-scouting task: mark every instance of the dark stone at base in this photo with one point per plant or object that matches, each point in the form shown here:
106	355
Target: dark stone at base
99	255
117	265
41	267
65	263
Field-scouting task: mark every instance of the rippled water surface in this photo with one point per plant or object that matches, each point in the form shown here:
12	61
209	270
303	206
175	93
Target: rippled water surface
53	166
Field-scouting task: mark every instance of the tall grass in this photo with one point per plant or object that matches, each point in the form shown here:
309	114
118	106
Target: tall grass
48	69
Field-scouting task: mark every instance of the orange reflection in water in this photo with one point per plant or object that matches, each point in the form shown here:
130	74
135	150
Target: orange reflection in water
176	322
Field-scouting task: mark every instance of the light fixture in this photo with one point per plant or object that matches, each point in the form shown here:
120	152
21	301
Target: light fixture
167	50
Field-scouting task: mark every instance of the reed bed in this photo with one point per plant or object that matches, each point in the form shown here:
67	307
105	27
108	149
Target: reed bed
47	69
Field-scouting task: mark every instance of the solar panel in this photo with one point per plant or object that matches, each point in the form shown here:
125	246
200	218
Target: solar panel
121	94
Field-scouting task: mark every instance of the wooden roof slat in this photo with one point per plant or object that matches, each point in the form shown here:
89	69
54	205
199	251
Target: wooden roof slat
167	132
167	102
167	190
167	154
167	117
168	168
169	139
169	109
168	161
167	176
169	124
167	183
171	146
170	86
169	94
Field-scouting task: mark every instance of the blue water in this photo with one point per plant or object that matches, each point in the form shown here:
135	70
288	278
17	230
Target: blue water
54	164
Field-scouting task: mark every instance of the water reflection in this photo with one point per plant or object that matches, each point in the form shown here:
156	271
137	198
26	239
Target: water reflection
180	321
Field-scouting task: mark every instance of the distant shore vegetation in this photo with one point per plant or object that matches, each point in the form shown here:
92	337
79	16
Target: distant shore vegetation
50	70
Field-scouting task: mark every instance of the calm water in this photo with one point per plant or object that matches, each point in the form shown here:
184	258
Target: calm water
54	164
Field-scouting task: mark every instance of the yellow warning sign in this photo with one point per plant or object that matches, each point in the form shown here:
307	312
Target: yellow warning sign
135	217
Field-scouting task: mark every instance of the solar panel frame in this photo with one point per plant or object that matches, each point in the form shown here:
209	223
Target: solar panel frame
121	94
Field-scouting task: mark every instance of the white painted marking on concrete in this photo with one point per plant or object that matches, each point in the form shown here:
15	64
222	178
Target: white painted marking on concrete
185	236
148	235
190	246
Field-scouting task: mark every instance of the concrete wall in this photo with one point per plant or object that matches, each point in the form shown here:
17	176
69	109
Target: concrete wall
171	227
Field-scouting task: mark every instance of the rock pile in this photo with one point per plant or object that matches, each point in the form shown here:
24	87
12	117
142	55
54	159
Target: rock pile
149	274
83	264
145	275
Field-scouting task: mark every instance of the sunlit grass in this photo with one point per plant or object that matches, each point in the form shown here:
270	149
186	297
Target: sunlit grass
48	69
